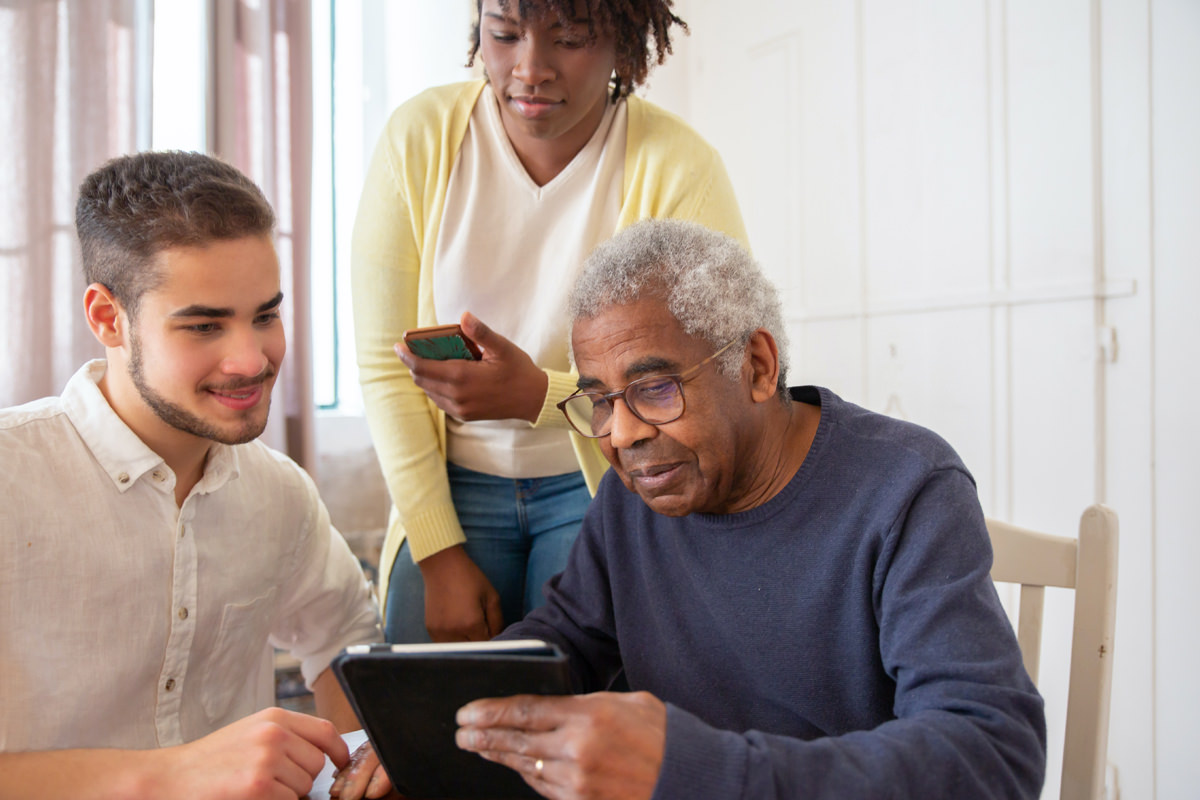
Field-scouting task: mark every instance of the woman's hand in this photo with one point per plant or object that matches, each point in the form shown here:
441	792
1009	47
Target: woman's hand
504	384
460	602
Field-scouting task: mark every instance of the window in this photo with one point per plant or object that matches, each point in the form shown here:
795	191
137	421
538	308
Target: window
178	119
368	57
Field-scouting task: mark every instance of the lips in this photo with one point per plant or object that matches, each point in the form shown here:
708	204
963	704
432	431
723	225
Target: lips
533	106
241	398
654	476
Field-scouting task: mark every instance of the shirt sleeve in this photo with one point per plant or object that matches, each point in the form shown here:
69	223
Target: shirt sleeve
328	604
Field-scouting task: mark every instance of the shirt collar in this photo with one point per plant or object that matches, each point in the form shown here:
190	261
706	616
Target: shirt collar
118	450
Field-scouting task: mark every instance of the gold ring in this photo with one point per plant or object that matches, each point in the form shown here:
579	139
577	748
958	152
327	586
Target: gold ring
538	766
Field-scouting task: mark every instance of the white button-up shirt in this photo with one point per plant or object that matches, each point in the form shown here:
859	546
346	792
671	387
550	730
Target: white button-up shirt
128	621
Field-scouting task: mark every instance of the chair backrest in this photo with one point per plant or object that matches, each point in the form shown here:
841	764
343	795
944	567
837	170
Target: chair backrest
1088	565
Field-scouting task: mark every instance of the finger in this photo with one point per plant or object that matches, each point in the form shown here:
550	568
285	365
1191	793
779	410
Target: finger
319	734
493	616
480	333
295	777
526	765
521	712
351	781
380	784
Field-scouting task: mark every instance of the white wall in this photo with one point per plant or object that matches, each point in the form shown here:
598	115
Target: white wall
985	217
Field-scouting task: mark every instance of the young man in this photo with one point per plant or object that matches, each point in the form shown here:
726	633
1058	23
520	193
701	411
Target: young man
795	587
152	552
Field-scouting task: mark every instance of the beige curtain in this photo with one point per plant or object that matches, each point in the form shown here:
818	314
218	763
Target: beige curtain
70	81
260	120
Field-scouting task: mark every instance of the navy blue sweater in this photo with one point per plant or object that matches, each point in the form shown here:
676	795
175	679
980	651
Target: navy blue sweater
842	640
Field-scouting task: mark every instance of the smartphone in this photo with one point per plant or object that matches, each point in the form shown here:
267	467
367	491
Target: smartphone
441	342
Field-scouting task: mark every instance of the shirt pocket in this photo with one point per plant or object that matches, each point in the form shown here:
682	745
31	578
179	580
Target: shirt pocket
232	672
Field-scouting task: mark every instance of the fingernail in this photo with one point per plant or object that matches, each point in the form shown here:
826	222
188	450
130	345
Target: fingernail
465	716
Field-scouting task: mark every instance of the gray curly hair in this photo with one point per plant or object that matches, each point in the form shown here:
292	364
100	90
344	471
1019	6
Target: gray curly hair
710	284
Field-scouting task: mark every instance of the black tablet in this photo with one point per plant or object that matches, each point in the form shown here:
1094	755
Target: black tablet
406	697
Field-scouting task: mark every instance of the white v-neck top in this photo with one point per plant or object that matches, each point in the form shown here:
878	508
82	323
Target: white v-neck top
509	252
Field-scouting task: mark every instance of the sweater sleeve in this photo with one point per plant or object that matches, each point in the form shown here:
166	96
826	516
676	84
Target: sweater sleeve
385	275
969	722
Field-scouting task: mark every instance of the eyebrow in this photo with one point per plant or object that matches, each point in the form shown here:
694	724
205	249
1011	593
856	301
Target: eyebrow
213	312
649	365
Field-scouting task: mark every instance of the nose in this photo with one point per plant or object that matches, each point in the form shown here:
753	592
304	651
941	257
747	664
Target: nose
627	429
533	66
246	355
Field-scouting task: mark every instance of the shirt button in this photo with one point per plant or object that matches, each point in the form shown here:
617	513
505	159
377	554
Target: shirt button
158	476
170	684
183	613
123	477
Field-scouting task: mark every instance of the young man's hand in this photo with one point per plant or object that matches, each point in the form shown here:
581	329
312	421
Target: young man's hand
273	754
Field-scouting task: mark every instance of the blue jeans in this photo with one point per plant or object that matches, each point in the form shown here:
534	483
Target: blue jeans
519	532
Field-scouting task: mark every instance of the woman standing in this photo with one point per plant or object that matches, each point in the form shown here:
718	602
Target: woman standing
481	203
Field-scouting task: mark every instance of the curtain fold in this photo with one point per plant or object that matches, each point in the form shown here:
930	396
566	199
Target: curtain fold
76	94
71	102
260	120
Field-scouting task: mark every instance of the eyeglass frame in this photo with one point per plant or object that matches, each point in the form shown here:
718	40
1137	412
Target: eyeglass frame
677	378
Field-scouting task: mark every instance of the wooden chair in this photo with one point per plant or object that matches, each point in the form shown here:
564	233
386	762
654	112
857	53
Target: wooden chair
1089	566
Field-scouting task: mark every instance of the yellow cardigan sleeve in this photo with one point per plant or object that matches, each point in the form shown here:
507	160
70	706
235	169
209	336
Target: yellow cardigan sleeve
395	232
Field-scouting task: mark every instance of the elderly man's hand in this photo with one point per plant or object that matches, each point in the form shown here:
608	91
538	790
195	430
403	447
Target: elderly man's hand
362	777
603	745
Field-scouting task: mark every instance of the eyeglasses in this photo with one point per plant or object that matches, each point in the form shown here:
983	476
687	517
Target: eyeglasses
655	400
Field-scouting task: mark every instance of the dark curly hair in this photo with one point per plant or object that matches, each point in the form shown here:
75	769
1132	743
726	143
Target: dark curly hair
632	24
135	206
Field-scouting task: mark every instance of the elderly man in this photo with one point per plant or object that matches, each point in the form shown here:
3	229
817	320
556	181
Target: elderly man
796	588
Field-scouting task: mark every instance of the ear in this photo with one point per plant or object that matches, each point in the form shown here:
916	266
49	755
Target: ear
763	359
105	316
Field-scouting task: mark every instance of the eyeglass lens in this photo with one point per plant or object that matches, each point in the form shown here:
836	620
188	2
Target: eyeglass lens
656	401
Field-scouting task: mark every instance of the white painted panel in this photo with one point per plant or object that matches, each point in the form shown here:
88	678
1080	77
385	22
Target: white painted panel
1049	141
1176	131
925	106
1053	405
775	92
829	354
768	198
831	249
1125	99
935	370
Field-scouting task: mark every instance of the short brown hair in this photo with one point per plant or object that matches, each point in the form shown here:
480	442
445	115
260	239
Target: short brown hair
135	206
632	24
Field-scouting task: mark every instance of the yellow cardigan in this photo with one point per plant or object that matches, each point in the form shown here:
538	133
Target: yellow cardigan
669	172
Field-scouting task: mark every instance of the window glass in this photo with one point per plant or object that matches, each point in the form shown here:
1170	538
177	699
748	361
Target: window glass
368	57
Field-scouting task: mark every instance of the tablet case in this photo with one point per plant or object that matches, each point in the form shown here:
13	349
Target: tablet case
406	697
